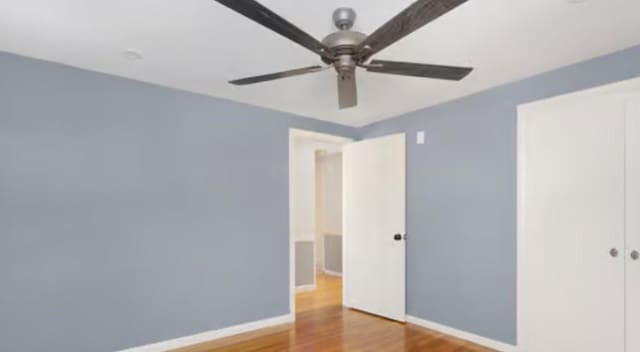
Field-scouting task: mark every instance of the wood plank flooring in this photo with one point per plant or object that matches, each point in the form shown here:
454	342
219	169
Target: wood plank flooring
323	325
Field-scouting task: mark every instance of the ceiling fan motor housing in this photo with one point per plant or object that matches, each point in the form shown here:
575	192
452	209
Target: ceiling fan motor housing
342	45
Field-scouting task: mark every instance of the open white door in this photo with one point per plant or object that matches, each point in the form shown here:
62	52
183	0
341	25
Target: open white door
374	226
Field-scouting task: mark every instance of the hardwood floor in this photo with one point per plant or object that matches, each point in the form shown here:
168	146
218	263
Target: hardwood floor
323	325
328	293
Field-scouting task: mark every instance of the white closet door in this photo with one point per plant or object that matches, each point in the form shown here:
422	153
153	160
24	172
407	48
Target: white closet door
633	224
571	223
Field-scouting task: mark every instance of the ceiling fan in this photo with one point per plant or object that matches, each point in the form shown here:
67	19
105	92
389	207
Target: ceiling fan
346	49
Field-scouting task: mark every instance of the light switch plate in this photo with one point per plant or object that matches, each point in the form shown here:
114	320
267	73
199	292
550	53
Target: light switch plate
420	137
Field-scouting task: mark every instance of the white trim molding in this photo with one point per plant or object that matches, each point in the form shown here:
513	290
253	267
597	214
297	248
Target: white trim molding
463	335
332	273
212	335
305	288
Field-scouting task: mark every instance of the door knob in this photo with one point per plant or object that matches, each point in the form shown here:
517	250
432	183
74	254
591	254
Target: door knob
635	255
614	252
397	237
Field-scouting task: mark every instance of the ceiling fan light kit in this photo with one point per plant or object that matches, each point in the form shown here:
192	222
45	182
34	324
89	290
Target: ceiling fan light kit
345	50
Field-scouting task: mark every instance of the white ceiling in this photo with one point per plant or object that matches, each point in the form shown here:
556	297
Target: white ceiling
198	45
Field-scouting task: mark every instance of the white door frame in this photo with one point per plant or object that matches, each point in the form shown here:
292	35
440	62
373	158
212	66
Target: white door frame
293	134
619	89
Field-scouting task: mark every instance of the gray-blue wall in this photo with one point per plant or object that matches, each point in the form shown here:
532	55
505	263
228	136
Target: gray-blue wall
333	253
461	196
132	214
305	266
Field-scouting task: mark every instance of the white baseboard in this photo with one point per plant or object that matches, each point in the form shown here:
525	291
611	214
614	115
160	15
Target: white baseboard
463	335
332	273
305	288
212	335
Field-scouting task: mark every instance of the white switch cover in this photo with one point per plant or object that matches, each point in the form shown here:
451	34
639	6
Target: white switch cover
420	137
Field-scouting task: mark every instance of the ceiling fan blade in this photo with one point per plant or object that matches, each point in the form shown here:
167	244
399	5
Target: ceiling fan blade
262	15
452	73
410	19
347	90
277	75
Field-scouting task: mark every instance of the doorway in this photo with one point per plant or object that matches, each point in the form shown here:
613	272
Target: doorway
347	222
315	196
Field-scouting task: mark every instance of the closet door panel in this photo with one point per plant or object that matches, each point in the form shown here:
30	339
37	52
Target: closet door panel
571	223
633	223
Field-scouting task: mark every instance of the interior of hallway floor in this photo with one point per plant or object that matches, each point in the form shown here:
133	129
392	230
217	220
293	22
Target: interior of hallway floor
323	325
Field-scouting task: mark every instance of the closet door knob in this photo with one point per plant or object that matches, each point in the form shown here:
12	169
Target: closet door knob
635	255
614	252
